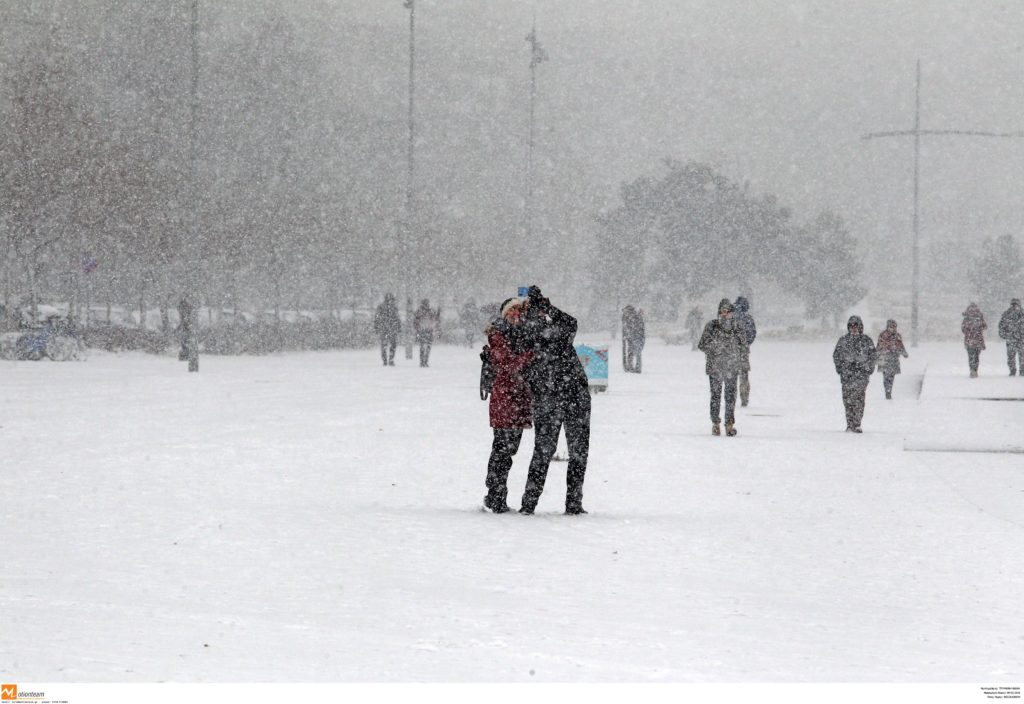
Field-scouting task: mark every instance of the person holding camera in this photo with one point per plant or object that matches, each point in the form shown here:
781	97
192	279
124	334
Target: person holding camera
561	398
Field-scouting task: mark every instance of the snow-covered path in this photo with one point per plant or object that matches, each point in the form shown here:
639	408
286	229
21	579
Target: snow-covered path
315	517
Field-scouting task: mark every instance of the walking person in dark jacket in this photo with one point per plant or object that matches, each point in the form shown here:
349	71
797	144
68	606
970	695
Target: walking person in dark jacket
854	358
188	331
748	329
511	402
634	336
387	325
1011	329
723	346
561	398
889	349
425	323
694	322
973	327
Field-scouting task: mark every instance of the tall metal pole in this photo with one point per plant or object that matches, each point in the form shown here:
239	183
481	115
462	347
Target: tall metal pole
537	55
916	133
915	282
410	198
192	247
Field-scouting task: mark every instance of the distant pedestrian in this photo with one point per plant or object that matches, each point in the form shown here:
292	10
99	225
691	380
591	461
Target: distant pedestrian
426	323
1011	329
854	358
511	404
973	327
634	337
188	332
748	329
469	317
694	323
723	346
889	349
387	325
561	399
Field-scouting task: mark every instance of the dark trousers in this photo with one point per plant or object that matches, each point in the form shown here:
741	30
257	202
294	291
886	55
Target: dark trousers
973	356
718	382
425	343
388	345
887	379
189	350
854	394
634	352
744	384
503	448
1015	357
548	420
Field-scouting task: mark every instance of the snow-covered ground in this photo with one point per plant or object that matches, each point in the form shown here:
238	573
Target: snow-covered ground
315	517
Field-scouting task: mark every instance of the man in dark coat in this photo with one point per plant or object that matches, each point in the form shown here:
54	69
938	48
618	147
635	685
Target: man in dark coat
694	321
748	329
188	331
387	325
1011	329
723	346
511	405
854	358
561	397
425	323
469	316
634	336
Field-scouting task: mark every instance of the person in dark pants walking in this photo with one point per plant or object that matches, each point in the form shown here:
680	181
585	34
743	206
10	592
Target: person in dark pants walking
387	325
854	358
188	331
748	329
634	336
889	349
973	327
511	402
425	323
722	345
1011	329
561	398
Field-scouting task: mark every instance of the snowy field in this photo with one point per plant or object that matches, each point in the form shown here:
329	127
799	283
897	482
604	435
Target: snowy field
315	517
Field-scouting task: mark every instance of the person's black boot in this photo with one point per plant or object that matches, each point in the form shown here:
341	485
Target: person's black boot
575	510
526	510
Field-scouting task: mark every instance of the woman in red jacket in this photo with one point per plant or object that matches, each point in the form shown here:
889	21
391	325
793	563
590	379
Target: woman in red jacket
973	327
890	348
511	407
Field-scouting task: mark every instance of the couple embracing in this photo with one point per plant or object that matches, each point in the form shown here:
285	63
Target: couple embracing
539	382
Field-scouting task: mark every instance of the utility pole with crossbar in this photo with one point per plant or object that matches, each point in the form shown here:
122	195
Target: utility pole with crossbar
917	133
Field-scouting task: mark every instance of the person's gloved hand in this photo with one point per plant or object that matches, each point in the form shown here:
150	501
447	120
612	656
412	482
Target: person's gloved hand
537	299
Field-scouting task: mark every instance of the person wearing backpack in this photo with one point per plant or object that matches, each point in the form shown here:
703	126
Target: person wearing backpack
511	403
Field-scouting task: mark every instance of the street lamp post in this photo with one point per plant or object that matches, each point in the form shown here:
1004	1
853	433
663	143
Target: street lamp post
537	56
408	230
916	133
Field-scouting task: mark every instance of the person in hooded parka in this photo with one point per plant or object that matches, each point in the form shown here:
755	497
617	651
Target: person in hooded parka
425	323
561	398
634	336
973	327
890	348
511	404
1011	329
723	346
745	322
387	325
854	358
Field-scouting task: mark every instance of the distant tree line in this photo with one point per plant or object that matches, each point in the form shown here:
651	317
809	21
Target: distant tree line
692	230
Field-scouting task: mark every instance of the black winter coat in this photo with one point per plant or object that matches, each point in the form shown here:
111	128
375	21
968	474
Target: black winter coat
1011	325
724	348
855	358
556	373
386	321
